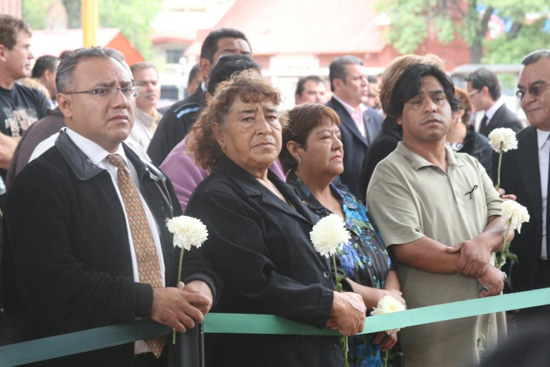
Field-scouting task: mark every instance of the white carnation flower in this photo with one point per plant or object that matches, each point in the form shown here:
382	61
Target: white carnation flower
188	231
503	139
388	305
329	234
514	214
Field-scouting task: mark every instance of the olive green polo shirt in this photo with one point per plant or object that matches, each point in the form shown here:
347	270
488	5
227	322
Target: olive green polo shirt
409	198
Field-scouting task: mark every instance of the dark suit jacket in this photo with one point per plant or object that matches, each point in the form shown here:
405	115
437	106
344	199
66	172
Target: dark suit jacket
383	144
503	117
355	146
175	125
67	258
260	247
520	176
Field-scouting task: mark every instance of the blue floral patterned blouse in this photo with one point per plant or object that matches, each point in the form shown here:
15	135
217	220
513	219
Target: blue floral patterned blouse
364	258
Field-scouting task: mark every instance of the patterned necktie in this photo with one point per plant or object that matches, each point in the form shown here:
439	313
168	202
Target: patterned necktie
144	245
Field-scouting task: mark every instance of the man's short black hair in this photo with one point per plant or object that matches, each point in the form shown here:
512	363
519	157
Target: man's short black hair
226	66
409	83
43	63
302	81
210	44
485	78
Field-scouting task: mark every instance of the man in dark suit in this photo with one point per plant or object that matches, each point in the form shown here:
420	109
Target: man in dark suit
359	124
484	89
86	240
525	174
179	118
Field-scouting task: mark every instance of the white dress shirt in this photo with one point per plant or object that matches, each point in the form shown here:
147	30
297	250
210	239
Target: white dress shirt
97	155
544	155
356	114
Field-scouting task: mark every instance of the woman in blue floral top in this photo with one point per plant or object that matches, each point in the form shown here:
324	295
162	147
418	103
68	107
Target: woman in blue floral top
313	153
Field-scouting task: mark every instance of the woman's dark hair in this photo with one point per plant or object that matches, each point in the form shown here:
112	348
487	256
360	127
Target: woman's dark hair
300	121
408	86
465	104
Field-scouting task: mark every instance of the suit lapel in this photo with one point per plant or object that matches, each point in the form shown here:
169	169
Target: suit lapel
294	207
493	123
255	190
528	166
348	123
369	126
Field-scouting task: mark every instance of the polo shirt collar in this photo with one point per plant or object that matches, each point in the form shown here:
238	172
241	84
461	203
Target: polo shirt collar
417	162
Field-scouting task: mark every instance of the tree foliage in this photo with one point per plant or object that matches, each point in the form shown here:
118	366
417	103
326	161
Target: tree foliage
506	50
33	12
132	17
412	21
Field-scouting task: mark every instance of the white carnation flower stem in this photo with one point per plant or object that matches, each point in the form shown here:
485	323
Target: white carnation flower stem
182	250
501	259
499	166
339	288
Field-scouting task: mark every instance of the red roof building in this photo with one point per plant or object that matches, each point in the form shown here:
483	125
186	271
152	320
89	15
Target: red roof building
322	30
55	41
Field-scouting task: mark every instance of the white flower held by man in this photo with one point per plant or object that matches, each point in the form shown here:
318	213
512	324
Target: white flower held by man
502	140
514	215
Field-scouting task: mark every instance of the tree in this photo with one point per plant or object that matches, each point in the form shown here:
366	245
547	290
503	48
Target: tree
412	21
132	17
510	50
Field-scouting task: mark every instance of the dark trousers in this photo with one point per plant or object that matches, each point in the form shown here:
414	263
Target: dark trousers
149	360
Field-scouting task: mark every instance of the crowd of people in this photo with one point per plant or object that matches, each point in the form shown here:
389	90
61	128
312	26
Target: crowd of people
93	170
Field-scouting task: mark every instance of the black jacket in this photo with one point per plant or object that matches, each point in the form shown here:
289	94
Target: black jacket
384	143
520	175
67	261
477	146
175	125
503	117
355	145
260	247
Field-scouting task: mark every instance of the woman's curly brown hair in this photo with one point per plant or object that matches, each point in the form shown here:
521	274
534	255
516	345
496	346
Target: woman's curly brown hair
247	85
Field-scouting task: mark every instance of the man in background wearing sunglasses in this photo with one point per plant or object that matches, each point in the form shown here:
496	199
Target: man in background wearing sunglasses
484	89
525	174
86	240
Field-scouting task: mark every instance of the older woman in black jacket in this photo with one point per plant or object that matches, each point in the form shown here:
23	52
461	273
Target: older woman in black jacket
259	234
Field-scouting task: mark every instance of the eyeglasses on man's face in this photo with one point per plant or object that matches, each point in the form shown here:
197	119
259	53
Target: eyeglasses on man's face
111	92
474	92
535	89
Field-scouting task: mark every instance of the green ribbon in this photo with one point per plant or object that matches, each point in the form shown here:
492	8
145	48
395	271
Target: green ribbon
269	324
87	340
